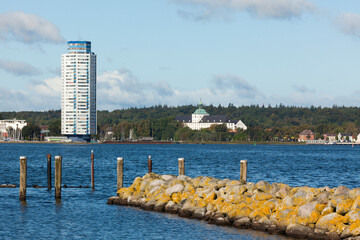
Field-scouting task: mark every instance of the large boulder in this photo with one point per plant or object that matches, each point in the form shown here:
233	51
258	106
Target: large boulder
298	231
174	189
332	222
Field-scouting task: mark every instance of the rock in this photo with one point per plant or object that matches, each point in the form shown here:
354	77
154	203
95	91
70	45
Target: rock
327	210
353	215
221	221
209	215
333	236
332	222
199	213
274	188
344	207
250	187
167	177
283	192
174	189
149	206
288	201
156	183
263	186
323	197
183	178
244	222
356	204
335	200
309	212
354	193
298	231
342	190
160	207
171	207
318	234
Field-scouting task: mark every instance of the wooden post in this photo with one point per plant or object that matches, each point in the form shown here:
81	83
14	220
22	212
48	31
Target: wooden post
23	170
92	170
120	172
49	171
150	164
58	166
181	166
243	170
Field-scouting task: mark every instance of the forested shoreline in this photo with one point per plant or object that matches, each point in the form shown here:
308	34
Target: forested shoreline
265	123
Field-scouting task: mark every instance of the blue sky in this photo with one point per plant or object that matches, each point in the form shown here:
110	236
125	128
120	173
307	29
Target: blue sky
294	52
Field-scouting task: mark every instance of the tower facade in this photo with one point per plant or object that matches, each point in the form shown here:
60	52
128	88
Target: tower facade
78	90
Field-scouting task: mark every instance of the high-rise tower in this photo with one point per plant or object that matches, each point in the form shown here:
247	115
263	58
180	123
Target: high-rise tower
78	90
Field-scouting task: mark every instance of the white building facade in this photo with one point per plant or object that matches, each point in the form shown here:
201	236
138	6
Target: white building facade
78	90
201	119
11	128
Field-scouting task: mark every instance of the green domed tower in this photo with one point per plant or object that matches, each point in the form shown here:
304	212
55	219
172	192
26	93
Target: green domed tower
199	113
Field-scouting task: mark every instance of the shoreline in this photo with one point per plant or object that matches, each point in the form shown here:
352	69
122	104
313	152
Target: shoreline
300	212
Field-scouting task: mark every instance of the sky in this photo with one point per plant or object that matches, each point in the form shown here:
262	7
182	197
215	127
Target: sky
176	52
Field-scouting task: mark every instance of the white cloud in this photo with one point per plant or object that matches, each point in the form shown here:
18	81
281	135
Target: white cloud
50	87
349	23
28	28
19	68
121	89
278	9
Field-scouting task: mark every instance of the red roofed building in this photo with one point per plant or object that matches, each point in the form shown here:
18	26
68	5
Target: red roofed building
306	135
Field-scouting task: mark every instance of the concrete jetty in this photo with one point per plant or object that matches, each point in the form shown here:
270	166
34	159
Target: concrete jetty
300	212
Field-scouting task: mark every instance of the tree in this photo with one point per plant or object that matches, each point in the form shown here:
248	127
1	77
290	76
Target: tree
31	131
55	127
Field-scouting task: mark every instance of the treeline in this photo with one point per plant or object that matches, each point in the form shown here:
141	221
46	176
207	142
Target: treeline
265	123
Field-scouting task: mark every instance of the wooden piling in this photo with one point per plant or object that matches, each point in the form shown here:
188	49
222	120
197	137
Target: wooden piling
49	171
243	170
92	170
150	164
120	172
58	166
181	166
23	172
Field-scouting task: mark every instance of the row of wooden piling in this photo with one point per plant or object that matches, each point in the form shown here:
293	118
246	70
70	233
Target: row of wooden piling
181	163
120	173
58	173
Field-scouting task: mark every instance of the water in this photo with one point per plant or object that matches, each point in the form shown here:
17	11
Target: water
82	213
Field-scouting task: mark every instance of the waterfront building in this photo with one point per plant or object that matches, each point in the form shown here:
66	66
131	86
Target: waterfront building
11	128
306	135
201	119
78	91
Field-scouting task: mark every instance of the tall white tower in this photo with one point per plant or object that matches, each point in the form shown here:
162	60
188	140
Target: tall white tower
78	91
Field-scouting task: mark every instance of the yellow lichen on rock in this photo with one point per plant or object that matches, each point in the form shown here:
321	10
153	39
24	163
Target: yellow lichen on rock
324	211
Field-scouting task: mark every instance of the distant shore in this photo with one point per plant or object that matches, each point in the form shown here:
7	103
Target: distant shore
164	142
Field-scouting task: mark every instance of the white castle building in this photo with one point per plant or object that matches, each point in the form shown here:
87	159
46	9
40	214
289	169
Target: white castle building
201	119
78	91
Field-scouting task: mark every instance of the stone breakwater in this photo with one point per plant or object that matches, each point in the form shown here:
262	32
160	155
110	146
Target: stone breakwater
305	212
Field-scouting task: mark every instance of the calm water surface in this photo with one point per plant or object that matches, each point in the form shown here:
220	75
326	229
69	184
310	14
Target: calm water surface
83	214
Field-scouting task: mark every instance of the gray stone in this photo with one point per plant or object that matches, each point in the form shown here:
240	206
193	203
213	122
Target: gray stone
244	222
306	209
221	221
156	183
323	197
297	230
183	178
174	189
167	177
263	186
342	190
172	207
199	213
